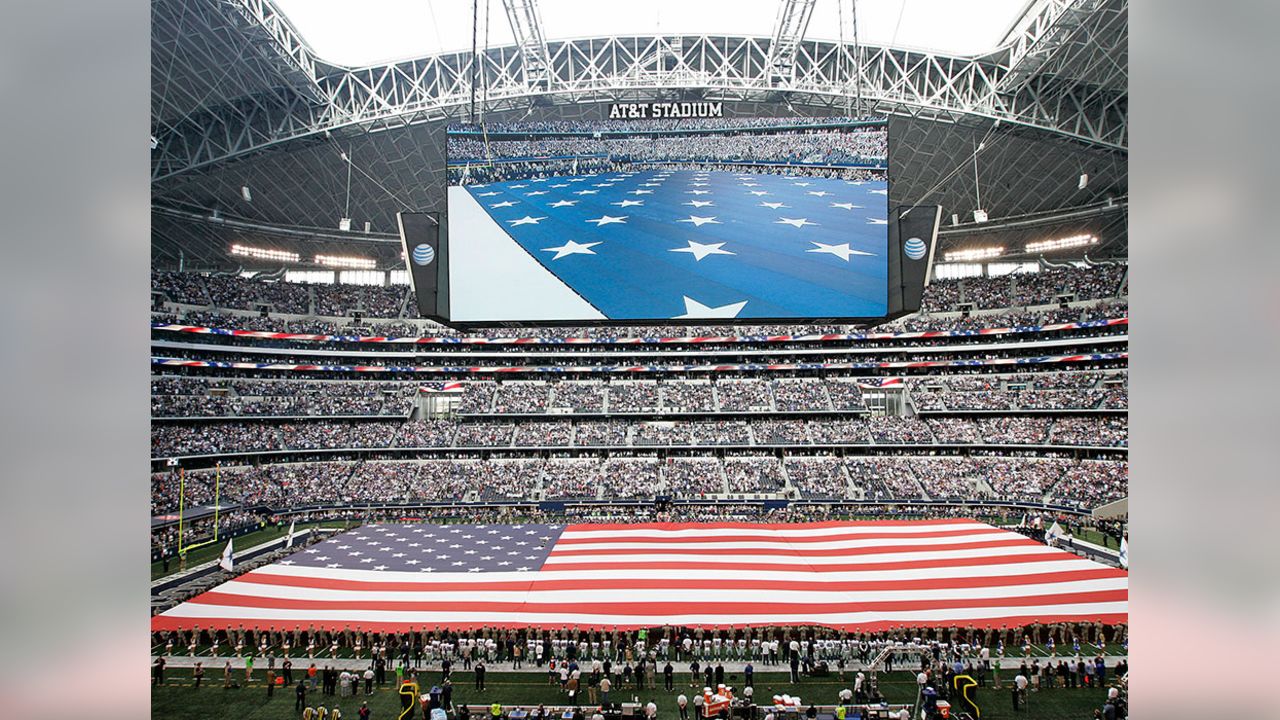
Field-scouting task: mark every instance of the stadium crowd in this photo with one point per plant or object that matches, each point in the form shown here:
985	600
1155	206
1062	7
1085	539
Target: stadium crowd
1022	289
817	147
235	297
179	439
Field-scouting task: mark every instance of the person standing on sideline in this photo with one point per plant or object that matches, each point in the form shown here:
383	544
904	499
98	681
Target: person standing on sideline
668	676
286	668
364	711
248	668
682	703
605	685
368	681
795	667
157	672
301	697
226	675
480	675
748	675
271	682
572	686
198	673
593	683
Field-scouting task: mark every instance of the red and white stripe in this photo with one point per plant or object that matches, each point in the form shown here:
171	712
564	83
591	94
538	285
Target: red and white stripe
849	575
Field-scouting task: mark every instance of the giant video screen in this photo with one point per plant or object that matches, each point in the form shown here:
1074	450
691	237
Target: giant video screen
753	219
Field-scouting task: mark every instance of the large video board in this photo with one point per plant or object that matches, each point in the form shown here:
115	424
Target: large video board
751	219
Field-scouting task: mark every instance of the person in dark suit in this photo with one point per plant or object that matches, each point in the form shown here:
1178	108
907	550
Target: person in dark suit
301	695
480	675
748	675
719	675
668	677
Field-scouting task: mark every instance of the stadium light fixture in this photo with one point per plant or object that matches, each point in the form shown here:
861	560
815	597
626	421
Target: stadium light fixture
244	193
971	254
264	253
1073	241
979	216
345	261
1084	181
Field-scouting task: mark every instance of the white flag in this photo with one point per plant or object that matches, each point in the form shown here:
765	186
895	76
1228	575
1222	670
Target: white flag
289	543
228	558
1124	553
1054	532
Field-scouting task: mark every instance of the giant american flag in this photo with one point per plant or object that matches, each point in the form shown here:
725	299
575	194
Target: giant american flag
849	575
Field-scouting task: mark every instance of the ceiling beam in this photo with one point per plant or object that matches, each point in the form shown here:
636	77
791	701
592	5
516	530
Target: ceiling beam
526	26
788	32
285	43
1042	32
915	83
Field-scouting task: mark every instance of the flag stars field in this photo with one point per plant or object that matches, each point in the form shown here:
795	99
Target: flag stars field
701	250
794	222
696	310
526	220
842	251
607	220
569	248
700	221
759	270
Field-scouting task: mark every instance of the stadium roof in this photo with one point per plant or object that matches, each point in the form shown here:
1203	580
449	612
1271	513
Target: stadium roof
379	31
244	97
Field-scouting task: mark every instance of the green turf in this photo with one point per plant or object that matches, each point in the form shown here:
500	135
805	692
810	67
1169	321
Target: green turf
1097	538
177	700
214	550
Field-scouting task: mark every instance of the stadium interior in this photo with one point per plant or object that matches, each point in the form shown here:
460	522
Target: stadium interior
301	402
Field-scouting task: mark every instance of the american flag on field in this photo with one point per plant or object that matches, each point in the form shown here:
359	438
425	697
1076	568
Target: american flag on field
852	575
435	387
877	383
